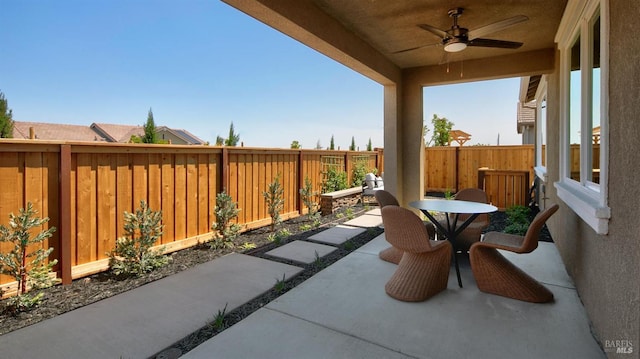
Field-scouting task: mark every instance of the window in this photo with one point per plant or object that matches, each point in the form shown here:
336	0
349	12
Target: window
583	102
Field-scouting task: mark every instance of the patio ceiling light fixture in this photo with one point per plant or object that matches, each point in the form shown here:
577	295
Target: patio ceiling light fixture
455	45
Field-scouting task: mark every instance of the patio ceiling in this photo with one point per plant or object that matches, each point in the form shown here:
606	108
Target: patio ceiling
366	34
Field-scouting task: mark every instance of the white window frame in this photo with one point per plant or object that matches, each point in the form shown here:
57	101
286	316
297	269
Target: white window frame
587	199
541	93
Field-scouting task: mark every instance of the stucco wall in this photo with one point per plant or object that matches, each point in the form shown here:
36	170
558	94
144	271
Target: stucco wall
606	268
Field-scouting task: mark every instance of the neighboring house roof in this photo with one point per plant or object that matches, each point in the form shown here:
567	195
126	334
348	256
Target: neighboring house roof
117	133
185	135
526	115
96	132
55	131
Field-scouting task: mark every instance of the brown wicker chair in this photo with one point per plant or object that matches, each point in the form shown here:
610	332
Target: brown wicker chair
497	275
392	254
424	268
473	232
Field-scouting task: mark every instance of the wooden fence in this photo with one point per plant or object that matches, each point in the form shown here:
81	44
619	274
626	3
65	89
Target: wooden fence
84	188
456	168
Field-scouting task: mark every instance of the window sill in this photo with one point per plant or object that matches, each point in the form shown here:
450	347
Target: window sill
585	204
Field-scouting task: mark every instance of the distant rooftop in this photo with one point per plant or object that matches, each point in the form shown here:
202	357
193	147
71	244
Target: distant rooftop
103	132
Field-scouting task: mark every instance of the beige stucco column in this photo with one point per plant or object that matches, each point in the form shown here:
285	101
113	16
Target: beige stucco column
412	142
403	143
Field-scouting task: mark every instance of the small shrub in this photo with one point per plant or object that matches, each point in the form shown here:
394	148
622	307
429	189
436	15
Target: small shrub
349	213
280	284
517	220
133	254
317	262
348	246
275	202
218	321
448	194
224	230
246	246
273	237
308	194
305	227
28	268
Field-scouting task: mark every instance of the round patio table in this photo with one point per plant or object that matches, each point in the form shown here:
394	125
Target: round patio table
452	229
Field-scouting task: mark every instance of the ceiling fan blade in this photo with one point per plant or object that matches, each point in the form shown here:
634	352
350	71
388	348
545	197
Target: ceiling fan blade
413	48
494	43
496	26
434	30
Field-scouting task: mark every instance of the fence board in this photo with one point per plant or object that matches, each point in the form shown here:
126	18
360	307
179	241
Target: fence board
106	204
168	202
180	195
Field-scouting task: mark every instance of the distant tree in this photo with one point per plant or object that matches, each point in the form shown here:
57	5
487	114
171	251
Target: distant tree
219	141
6	118
295	144
233	138
150	129
318	145
425	133
369	145
353	144
332	145
441	129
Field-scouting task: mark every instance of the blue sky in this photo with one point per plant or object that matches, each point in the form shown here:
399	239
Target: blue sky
202	65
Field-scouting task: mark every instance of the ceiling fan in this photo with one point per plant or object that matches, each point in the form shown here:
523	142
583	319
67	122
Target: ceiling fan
457	38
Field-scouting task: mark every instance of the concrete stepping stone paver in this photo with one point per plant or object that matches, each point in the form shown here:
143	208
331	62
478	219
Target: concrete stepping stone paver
366	220
146	320
301	251
337	235
374	212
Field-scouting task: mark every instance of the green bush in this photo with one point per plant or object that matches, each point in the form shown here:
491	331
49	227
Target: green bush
133	254
28	268
224	231
334	180
358	172
517	220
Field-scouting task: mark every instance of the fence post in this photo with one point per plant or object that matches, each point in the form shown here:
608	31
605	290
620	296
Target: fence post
65	213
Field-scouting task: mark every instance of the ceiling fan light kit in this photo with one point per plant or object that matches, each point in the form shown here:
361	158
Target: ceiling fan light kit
454	46
458	38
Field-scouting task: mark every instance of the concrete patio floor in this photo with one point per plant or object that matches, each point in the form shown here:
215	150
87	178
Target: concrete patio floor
343	312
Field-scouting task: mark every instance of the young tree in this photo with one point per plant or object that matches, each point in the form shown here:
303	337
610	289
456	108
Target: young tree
369	145
27	261
219	141
6	118
150	129
353	144
295	144
441	129
332	145
233	138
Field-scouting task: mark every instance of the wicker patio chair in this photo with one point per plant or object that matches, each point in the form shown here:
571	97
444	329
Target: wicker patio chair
423	270
392	254
473	232
497	275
